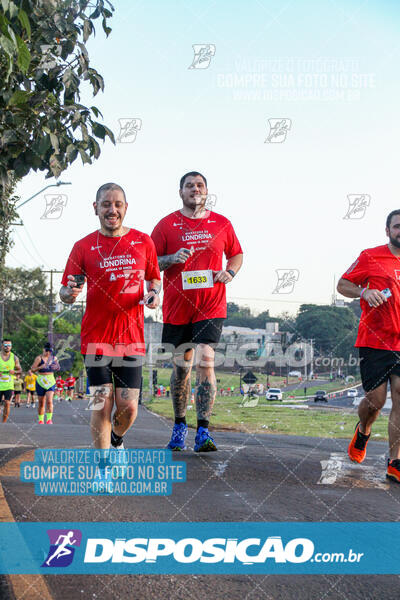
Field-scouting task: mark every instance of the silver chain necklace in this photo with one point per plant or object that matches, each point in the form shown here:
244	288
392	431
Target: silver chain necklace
111	253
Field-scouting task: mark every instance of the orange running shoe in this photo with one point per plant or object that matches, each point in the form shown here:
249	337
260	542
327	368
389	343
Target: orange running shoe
393	469
358	446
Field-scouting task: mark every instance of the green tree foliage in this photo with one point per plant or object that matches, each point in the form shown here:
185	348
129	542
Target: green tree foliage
333	328
241	317
354	305
43	64
24	293
31	335
8	215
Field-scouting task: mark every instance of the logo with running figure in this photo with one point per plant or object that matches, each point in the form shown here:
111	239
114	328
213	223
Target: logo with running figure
358	204
286	280
211	201
128	129
55	204
278	130
203	54
62	547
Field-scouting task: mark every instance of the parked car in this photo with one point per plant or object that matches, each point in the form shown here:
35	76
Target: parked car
294	373
274	394
353	393
320	396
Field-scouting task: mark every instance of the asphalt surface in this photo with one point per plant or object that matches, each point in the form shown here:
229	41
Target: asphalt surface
250	478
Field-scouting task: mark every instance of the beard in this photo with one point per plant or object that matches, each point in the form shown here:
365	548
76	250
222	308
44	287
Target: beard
196	203
394	241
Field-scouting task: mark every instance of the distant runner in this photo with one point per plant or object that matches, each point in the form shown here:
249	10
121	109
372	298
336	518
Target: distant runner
18	388
30	386
70	383
190	245
9	367
375	278
60	388
45	365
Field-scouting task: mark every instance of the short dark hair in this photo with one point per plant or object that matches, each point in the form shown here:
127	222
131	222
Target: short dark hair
191	174
390	215
107	187
6	339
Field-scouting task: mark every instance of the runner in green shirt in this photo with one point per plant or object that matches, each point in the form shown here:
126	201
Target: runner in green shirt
9	366
18	387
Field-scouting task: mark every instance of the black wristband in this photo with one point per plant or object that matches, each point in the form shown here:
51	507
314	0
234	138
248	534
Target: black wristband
231	273
154	290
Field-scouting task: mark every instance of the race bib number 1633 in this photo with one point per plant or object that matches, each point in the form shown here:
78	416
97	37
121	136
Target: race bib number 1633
193	280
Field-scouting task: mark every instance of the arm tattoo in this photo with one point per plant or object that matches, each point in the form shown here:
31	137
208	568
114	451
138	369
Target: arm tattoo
164	262
180	389
205	396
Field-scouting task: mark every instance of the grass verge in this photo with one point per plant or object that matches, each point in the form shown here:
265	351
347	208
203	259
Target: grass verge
229	414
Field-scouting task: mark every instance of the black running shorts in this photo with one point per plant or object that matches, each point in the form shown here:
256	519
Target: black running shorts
202	332
125	376
377	365
6	394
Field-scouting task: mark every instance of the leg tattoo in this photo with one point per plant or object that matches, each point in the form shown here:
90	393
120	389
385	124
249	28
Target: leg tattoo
205	395
180	389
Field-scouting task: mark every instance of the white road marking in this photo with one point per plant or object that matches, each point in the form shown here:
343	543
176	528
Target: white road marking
339	470
221	467
15	446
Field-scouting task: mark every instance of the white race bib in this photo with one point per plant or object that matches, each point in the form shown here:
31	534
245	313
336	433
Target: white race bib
193	280
5	377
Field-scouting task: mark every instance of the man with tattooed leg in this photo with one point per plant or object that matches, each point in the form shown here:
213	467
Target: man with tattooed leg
115	261
190	245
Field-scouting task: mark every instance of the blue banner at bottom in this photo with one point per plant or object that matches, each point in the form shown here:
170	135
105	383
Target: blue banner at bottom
197	548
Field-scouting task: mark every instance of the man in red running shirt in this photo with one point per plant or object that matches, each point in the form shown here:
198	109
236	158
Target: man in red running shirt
60	387
375	278
190	245
115	261
70	383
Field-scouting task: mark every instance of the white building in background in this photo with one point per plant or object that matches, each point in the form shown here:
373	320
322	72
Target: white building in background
244	335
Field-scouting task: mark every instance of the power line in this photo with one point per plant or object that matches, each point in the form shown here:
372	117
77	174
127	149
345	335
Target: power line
34	247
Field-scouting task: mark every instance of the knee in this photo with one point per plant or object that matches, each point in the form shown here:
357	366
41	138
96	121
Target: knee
205	357
130	411
374	401
395	390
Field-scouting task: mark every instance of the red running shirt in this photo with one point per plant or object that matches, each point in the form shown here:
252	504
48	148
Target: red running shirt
60	384
379	327
70	381
116	268
211	237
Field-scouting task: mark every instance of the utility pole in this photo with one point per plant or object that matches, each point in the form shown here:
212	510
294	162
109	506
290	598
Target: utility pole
305	361
50	327
312	356
311	341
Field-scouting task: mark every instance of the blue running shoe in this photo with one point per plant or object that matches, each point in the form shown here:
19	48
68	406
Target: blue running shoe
178	437
204	441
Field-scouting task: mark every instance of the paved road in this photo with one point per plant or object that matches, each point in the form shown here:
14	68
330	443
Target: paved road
250	478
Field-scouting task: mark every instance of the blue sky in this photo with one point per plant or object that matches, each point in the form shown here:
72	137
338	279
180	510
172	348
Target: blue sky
286	200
